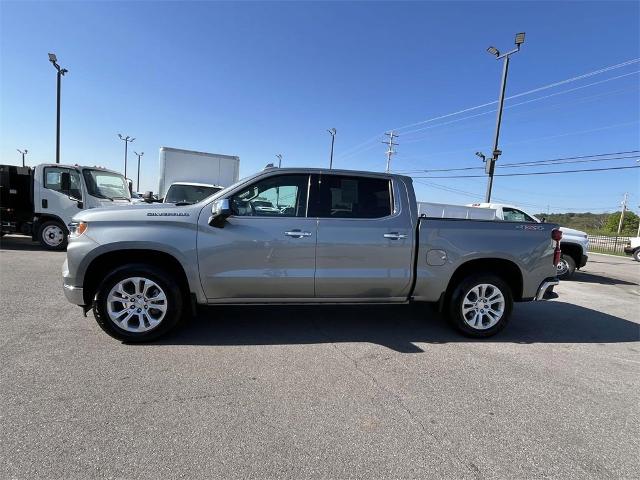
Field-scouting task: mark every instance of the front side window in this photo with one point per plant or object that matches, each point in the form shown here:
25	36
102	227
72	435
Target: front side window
279	196
515	215
104	184
354	197
53	181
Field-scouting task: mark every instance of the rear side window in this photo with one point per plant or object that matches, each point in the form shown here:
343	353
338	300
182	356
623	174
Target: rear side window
353	197
514	215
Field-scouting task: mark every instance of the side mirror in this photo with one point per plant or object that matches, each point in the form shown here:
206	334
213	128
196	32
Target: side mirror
65	182
220	210
148	196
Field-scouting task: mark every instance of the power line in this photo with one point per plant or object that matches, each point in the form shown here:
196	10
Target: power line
536	173
552	161
355	149
528	92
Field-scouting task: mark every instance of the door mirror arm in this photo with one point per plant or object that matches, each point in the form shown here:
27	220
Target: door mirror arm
220	211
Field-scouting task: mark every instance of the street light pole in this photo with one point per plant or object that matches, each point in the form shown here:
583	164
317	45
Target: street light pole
61	71
126	141
23	154
332	132
138	178
491	161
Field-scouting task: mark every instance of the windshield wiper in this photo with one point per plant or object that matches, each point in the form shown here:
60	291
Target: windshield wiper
180	204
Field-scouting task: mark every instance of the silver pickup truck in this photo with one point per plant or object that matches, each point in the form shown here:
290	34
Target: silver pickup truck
329	236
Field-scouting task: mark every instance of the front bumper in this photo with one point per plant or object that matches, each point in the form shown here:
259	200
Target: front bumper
74	294
583	261
545	290
628	250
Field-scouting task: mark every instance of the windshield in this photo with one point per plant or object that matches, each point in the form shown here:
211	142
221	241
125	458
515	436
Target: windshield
189	193
104	184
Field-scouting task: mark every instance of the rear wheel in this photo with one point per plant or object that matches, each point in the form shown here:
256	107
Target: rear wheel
480	305
566	266
636	254
53	235
138	303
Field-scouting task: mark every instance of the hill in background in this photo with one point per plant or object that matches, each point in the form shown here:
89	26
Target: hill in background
596	223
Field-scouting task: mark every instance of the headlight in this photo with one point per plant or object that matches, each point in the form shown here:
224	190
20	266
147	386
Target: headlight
77	228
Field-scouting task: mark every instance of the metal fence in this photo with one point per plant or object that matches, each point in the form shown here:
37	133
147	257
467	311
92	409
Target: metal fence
606	244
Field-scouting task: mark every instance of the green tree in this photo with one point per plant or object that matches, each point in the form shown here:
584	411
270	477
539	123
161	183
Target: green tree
629	224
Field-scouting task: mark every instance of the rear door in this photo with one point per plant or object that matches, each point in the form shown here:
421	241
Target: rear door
266	249
365	238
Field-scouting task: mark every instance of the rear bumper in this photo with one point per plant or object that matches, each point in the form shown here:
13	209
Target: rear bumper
546	288
629	250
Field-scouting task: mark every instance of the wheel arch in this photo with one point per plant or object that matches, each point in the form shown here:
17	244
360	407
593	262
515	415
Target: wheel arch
574	250
507	270
102	264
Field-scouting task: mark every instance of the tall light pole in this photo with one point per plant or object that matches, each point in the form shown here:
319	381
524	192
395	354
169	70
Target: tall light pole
61	71
126	141
138	182
332	132
23	153
490	163
279	157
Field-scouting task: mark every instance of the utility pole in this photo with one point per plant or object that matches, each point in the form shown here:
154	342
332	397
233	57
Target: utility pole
61	71
332	132
390	150
490	162
126	141
279	157
624	208
138	183
23	153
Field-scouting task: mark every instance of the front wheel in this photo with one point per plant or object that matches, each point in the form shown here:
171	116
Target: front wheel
566	267
138	303
481	305
53	235
636	254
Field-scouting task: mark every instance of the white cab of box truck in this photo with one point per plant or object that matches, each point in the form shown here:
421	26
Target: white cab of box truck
574	245
40	201
191	167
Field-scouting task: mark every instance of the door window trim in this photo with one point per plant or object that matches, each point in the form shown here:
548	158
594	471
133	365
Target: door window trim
71	171
248	185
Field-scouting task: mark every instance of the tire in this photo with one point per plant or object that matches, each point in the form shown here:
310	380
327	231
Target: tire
478	322
636	254
138	321
53	235
566	267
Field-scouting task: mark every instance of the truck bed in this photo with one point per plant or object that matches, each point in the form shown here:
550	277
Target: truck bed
444	244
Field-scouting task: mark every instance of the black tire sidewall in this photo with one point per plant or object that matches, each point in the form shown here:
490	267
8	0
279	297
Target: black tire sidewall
163	279
65	240
454	309
571	263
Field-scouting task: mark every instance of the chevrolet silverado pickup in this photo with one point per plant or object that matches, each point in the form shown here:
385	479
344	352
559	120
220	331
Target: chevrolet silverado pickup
331	236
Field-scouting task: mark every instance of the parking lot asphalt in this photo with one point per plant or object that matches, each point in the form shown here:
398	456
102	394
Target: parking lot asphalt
333	392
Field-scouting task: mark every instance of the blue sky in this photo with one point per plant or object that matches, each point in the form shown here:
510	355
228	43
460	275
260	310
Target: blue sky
256	79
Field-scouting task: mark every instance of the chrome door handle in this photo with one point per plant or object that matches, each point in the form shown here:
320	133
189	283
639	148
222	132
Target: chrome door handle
297	234
394	236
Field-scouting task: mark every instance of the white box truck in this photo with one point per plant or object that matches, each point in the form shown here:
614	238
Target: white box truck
187	168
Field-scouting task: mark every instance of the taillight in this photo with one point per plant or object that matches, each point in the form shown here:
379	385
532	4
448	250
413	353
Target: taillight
556	236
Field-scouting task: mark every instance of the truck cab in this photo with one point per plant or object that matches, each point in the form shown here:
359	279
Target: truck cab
574	246
54	193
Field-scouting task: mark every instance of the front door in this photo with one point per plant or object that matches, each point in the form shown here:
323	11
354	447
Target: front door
55	199
266	249
365	239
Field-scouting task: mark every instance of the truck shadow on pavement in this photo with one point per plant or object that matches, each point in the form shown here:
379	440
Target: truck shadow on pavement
600	279
398	327
19	243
